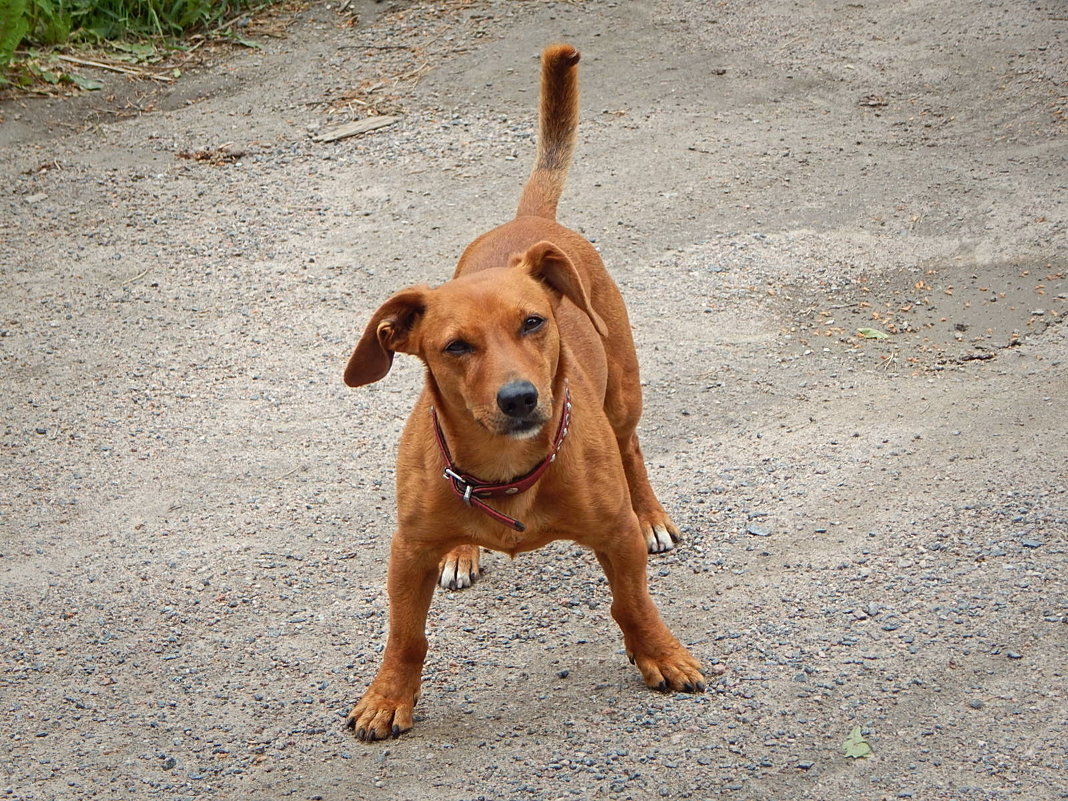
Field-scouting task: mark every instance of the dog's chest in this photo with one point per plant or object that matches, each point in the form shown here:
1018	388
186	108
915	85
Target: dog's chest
497	537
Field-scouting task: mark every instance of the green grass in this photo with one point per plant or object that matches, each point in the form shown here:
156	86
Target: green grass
48	23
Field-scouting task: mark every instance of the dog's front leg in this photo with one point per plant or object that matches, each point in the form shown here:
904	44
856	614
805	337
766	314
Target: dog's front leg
386	708
663	661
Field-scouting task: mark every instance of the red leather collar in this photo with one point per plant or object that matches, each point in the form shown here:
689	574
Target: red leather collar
471	490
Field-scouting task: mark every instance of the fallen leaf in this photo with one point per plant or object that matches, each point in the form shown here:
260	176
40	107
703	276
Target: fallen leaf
214	156
872	333
855	746
87	84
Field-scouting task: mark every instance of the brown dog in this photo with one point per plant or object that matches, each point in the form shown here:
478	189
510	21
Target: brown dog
532	386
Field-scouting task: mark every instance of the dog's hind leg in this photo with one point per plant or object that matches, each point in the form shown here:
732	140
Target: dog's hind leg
459	568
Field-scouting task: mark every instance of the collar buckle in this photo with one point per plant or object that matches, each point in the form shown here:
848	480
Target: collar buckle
458	482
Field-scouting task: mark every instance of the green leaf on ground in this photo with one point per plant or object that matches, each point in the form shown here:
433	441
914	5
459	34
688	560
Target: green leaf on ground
137	52
241	40
87	84
855	746
872	333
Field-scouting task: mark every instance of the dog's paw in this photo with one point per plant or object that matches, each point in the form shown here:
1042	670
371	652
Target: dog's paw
675	670
378	717
660	533
460	568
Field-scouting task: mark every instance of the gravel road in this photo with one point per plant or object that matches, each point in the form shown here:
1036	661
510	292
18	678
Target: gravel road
196	512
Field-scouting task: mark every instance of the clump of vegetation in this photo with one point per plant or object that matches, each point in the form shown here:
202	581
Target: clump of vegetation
37	24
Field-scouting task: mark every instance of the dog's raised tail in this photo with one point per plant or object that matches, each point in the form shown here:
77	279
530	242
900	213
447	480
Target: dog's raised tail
557	121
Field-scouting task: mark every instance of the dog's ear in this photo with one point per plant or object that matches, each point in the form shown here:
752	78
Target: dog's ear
390	330
545	262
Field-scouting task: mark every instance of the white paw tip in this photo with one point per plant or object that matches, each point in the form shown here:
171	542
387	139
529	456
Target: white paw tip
447	579
661	540
452	578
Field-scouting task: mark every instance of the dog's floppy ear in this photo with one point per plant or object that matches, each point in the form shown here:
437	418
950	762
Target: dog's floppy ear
545	262
390	330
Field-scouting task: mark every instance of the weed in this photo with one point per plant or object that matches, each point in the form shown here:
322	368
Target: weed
49	23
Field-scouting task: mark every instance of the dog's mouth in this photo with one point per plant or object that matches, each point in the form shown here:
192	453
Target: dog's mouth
523	429
515	427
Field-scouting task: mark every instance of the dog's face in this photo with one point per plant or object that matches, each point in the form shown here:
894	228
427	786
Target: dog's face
489	339
491	343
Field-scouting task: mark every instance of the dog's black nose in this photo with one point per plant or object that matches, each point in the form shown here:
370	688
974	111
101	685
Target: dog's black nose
517	399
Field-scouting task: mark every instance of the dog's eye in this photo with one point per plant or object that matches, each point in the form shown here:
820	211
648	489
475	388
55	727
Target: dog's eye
532	323
458	347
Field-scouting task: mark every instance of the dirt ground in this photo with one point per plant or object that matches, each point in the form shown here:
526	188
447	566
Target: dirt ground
196	512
